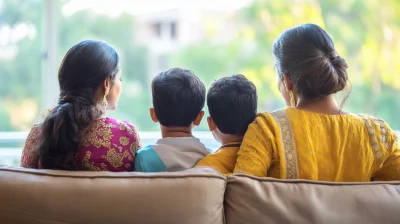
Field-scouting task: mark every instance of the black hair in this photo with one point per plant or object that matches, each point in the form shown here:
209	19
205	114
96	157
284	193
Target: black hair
232	104
307	55
83	69
178	97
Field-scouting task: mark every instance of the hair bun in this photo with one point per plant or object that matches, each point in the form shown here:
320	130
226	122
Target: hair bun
340	66
307	55
339	62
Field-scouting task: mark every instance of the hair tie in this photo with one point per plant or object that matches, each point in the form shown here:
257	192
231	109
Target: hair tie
332	58
67	98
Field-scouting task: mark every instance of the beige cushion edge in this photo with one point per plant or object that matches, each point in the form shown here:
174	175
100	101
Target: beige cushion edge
301	181
194	172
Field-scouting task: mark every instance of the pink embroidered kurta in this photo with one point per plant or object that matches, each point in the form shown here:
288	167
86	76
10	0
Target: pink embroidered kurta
107	145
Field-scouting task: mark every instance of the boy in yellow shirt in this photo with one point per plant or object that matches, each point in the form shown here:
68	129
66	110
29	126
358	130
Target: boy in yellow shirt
232	104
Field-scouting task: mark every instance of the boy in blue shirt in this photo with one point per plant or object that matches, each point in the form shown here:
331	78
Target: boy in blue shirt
178	100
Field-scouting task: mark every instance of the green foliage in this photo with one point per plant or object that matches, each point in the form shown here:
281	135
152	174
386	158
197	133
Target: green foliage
21	76
364	33
26	66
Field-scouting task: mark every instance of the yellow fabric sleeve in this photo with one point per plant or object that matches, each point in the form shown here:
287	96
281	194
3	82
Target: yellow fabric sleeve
202	162
258	147
390	169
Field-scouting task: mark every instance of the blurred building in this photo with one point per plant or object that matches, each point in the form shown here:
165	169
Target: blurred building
166	32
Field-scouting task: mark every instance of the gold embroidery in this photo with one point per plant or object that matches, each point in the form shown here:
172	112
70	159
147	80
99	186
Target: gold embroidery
87	164
373	135
122	126
29	158
134	147
124	140
109	125
137	140
115	158
98	134
117	154
126	154
103	167
288	143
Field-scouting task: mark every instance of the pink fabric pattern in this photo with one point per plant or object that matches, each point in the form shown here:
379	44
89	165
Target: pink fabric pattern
106	145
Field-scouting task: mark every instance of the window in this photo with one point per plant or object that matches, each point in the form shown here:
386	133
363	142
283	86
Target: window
29	81
157	30
173	31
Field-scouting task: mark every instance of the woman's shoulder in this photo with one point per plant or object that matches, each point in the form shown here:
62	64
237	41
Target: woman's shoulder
274	116
118	127
376	125
108	131
35	131
29	156
287	116
374	119
115	124
268	120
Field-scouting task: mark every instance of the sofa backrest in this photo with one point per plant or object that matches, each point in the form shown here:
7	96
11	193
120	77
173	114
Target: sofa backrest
193	196
43	196
266	200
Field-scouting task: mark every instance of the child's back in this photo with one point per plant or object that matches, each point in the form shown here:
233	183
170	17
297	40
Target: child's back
178	100
170	154
232	103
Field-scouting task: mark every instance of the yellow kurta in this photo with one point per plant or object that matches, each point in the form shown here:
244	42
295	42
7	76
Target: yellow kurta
295	144
224	159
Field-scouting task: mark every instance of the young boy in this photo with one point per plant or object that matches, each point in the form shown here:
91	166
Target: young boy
232	103
178	100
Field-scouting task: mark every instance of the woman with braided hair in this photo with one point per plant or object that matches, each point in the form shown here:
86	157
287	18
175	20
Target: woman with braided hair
77	134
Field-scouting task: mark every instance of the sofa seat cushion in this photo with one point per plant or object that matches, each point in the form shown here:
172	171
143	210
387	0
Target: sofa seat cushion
46	196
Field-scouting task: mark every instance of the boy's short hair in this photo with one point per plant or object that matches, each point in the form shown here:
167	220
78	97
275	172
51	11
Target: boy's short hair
232	104
178	97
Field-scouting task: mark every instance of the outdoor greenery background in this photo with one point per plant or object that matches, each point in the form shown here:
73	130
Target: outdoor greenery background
366	34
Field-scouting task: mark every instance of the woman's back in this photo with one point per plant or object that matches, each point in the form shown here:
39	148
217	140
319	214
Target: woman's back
329	145
75	135
292	143
106	145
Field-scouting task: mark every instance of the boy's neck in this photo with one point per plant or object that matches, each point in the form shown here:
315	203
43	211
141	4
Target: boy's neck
176	132
228	138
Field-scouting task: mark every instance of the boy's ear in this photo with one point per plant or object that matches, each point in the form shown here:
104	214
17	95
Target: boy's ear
198	119
211	124
153	115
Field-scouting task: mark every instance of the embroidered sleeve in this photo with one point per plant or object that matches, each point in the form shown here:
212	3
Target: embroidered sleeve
137	142
203	162
29	157
256	153
390	168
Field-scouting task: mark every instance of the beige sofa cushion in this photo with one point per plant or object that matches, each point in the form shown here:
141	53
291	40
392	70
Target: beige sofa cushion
266	200
43	196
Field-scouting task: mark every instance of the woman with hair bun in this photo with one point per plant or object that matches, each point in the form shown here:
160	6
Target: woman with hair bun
77	134
313	138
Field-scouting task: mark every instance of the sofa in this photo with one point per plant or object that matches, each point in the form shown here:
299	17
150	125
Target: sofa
195	196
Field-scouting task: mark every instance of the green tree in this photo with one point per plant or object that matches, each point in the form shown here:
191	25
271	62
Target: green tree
16	71
20	75
364	33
